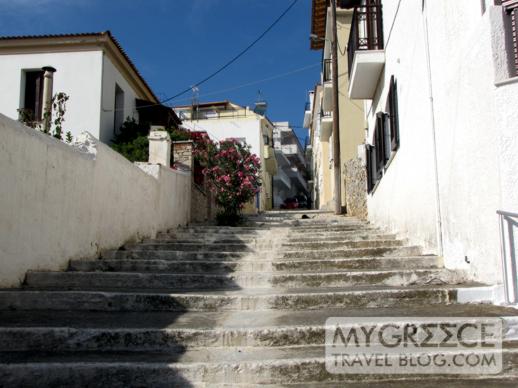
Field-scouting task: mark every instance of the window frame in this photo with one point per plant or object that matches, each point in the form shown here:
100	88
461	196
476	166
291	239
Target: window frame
37	83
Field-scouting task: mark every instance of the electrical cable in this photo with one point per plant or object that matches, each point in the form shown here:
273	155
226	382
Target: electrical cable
234	59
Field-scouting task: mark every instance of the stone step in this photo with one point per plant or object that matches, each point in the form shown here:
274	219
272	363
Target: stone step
353	236
324	245
262	229
201	281
63	331
260	246
166	254
249	299
192	238
358	263
210	367
203	247
147	254
250	265
381	251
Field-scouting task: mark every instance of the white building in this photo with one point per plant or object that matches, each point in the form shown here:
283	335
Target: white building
440	84
103	84
224	120
290	180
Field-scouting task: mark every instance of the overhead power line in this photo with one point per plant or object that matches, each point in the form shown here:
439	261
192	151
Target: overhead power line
234	59
252	83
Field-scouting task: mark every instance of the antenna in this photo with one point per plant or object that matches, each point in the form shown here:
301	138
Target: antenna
260	105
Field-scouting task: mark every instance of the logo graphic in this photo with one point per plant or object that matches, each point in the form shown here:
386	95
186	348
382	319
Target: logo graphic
414	345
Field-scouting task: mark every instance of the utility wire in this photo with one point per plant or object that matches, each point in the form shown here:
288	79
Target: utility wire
251	83
236	57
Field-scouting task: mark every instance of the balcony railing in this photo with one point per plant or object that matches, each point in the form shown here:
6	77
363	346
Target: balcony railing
327	70
366	30
326	114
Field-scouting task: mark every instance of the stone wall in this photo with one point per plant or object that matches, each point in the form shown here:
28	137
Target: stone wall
356	188
203	206
182	154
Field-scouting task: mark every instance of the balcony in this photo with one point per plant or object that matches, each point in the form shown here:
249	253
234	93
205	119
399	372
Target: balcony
326	125
366	54
269	160
327	76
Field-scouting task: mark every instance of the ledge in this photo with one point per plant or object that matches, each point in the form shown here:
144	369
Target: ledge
507	81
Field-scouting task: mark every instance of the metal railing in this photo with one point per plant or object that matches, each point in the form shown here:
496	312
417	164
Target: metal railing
326	114
508	221
366	30
327	72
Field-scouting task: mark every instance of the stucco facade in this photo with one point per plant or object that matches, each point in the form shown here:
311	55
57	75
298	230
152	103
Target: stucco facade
89	69
61	202
457	161
351	121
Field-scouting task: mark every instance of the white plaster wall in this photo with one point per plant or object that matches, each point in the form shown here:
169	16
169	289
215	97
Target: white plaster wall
78	75
221	129
506	103
404	200
59	202
467	135
110	77
475	129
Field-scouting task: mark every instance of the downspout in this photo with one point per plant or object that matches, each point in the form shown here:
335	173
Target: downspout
439	227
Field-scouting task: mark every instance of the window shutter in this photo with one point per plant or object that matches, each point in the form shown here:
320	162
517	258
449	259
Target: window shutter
386	137
379	146
368	158
394	114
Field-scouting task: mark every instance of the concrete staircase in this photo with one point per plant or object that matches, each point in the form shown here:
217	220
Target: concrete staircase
208	306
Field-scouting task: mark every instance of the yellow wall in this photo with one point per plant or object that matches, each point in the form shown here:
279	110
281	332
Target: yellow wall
352	128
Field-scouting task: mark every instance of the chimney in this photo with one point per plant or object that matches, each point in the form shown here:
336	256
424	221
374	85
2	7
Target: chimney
48	80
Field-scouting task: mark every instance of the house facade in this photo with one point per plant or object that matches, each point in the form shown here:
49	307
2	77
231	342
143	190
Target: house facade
439	84
290	180
224	120
103	85
318	117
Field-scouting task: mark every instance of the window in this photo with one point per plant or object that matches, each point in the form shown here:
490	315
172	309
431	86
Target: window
511	25
511	9
371	162
386	139
33	95
393	114
118	117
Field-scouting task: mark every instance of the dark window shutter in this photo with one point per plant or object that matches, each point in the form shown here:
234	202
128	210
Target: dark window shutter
394	114
386	137
379	145
368	158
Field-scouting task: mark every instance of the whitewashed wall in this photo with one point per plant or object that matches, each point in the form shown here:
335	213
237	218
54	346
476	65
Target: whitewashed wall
475	128
249	129
59	202
405	199
78	74
110	77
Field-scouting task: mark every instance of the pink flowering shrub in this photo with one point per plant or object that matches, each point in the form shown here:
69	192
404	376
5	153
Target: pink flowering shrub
233	173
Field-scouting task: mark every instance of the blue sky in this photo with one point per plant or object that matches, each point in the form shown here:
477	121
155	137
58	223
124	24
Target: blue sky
175	43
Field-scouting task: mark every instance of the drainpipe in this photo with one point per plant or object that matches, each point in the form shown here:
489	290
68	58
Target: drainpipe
336	116
48	81
439	231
